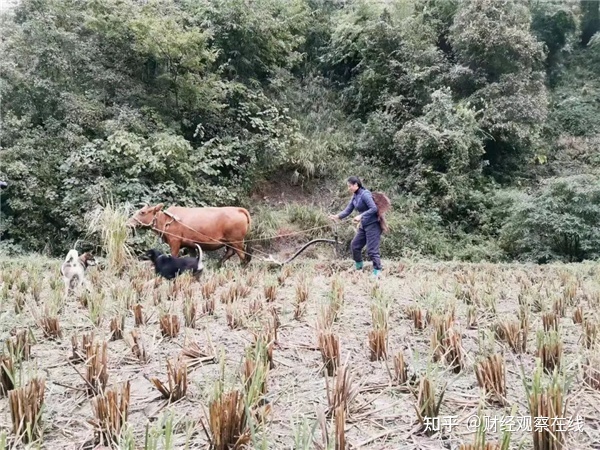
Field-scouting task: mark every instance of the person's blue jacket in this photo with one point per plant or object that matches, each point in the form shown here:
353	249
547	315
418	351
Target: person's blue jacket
362	201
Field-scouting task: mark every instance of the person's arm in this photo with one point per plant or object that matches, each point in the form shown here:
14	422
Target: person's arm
346	212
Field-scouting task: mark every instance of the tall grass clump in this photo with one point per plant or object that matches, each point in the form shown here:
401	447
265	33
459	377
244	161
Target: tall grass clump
109	223
378	336
228	420
427	406
26	406
547	402
308	218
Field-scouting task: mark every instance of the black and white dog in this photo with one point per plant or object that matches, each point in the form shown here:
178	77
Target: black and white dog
172	266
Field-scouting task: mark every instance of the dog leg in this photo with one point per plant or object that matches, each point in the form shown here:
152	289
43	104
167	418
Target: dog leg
85	283
67	285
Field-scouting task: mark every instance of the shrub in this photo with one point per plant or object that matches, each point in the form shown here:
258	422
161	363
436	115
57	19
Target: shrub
557	222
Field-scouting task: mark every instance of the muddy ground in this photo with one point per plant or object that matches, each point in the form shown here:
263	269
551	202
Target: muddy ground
382	415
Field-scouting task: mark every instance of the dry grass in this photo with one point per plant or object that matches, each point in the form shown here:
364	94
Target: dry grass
446	343
255	373
169	325
591	371
491	377
472	317
590	333
270	290
190	313
19	346
26	406
51	326
329	346
416	315
79	352
400	369
237	291
549	349
427	406
550	321
286	272
228	422
302	294
197	355
117	325
209	287
96	374
177	381
235	316
378	336
110	223
208	305
514	334
7	374
343	391
138	347
139	316
110	414
548	403
578	315
281	407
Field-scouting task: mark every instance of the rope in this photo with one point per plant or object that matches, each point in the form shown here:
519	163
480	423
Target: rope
270	257
293	233
215	240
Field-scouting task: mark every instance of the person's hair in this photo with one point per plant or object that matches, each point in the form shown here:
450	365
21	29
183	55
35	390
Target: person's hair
355	180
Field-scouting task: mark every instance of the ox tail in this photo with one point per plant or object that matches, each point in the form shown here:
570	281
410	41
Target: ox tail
247	214
200	263
247	254
247	249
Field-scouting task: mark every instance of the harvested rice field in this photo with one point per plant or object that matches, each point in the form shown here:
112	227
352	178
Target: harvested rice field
308	356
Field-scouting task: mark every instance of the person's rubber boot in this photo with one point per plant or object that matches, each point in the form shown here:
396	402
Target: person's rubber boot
358	265
376	272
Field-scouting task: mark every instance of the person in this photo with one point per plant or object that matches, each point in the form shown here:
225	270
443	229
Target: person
369	229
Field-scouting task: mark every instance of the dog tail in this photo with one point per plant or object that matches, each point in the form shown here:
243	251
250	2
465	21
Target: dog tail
200	263
72	256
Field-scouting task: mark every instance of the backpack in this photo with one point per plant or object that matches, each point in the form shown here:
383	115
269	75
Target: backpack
383	204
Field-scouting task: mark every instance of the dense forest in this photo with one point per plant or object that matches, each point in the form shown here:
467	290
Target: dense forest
479	118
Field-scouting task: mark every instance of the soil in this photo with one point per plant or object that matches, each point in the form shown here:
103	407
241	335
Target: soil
382	415
280	190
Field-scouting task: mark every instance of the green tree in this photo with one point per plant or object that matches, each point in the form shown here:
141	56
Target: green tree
559	222
130	99
590	20
553	24
438	156
493	39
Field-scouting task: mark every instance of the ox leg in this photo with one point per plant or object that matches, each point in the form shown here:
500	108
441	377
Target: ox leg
241	252
175	246
228	254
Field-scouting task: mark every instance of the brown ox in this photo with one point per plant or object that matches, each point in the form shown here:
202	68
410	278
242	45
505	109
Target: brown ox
211	228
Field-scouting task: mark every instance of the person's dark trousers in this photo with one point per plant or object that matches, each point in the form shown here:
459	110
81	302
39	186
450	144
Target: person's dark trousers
371	236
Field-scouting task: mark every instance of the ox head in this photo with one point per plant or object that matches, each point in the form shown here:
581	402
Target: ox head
144	217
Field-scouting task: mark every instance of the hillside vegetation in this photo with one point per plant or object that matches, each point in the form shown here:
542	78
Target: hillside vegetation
478	118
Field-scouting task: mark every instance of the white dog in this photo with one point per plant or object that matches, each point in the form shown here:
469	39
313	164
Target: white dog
73	269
